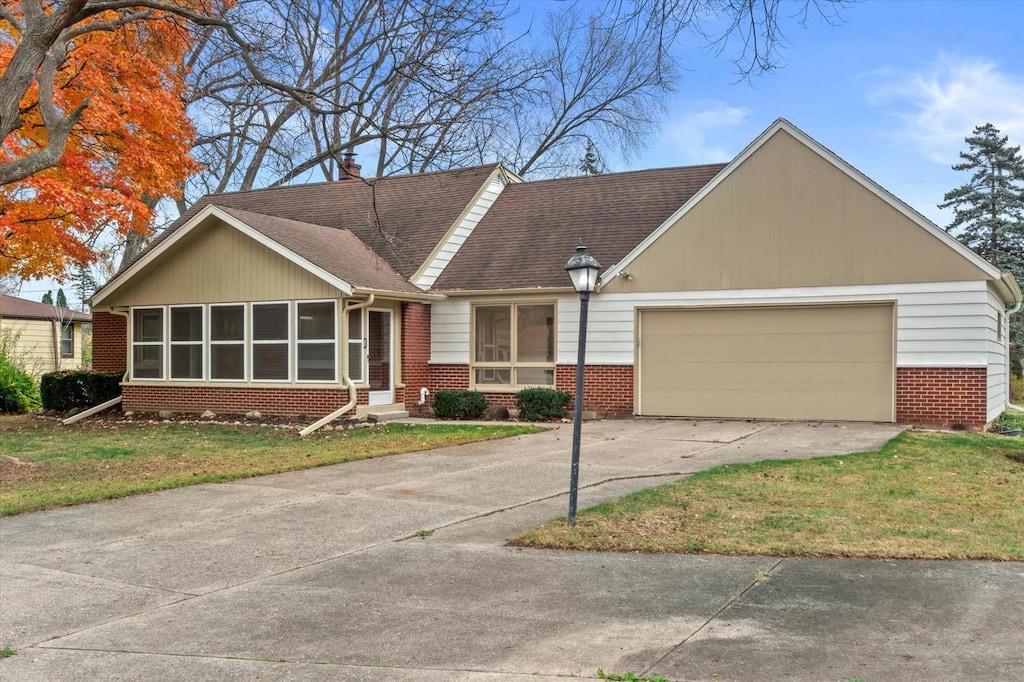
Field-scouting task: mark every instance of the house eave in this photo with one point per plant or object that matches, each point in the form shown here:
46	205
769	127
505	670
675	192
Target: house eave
410	296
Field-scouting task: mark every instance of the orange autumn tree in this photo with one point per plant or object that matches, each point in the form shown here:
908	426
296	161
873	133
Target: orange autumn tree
128	147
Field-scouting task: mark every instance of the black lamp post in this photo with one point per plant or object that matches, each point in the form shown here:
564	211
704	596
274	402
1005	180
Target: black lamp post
582	271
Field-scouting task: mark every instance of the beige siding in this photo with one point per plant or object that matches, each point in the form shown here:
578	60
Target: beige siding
805	362
219	265
788	218
34	348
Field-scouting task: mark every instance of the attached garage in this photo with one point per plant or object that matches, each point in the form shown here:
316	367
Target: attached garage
827	362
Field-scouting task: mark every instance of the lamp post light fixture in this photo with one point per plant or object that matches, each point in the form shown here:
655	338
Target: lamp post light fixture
582	270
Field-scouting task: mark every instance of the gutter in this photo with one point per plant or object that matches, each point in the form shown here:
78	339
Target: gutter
324	421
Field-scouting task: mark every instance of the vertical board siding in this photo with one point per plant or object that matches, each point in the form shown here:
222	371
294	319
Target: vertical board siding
461	233
221	265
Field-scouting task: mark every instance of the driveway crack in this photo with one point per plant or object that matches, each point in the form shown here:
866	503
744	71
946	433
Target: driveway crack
761	576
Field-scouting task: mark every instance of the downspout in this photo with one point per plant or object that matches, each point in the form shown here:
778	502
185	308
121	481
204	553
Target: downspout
56	345
1012	311
320	423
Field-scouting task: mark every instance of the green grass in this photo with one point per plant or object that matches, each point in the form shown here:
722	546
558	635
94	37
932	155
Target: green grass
924	495
6	652
44	465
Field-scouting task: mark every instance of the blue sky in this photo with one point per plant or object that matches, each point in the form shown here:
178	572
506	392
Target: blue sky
893	90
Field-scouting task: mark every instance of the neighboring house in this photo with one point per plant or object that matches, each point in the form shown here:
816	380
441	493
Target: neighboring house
784	284
48	337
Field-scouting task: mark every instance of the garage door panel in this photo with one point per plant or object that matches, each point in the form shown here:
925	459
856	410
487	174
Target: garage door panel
782	404
761	376
809	362
854	347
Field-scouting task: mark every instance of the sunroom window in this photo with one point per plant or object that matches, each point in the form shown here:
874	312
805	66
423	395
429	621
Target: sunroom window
148	343
270	342
187	342
227	342
316	345
523	358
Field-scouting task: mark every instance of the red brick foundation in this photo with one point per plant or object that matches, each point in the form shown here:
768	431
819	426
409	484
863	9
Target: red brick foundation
109	342
945	397
278	402
607	389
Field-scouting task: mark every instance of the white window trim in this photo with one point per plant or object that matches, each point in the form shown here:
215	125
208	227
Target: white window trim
69	327
161	343
203	314
361	342
233	342
291	369
333	342
512	364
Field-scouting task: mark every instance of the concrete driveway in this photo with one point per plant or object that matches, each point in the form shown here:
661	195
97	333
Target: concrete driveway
321	575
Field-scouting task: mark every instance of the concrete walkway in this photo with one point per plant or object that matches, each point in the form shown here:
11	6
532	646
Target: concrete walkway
321	575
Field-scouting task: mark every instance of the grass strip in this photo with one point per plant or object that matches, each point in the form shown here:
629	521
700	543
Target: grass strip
43	465
925	495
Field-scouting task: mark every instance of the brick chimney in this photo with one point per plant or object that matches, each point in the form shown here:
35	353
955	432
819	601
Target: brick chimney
349	167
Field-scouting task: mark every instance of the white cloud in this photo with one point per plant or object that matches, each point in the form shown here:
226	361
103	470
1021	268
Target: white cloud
696	135
940	104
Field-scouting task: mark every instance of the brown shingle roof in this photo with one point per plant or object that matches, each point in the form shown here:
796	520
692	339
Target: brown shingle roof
532	229
20	308
339	252
402	218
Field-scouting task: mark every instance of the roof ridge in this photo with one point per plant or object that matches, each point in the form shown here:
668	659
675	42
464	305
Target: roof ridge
636	171
366	181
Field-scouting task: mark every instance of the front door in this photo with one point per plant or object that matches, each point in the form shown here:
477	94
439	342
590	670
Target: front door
379	353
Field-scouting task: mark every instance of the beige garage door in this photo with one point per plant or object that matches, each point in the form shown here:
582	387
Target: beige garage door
800	362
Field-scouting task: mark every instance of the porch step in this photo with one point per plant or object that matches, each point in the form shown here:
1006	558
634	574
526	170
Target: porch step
387	416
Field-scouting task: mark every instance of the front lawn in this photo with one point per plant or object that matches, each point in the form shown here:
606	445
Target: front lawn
924	496
43	464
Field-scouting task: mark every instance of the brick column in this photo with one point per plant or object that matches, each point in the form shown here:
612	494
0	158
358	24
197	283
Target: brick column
109	342
415	353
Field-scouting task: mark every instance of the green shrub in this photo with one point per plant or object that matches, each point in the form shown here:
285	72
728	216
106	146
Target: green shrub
449	404
542	404
1017	391
18	390
64	390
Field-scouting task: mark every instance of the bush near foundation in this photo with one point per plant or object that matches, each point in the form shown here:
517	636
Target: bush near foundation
452	404
18	390
542	404
64	390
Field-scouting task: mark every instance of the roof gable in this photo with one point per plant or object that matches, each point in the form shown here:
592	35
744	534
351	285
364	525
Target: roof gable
401	218
826	181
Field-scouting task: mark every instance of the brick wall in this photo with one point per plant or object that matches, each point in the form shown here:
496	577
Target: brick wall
942	396
415	353
109	339
281	402
607	389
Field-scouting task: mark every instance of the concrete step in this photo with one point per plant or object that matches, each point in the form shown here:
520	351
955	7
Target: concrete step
386	416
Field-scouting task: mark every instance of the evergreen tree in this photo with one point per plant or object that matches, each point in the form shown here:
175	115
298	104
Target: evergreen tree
48	298
85	286
988	211
591	163
62	299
